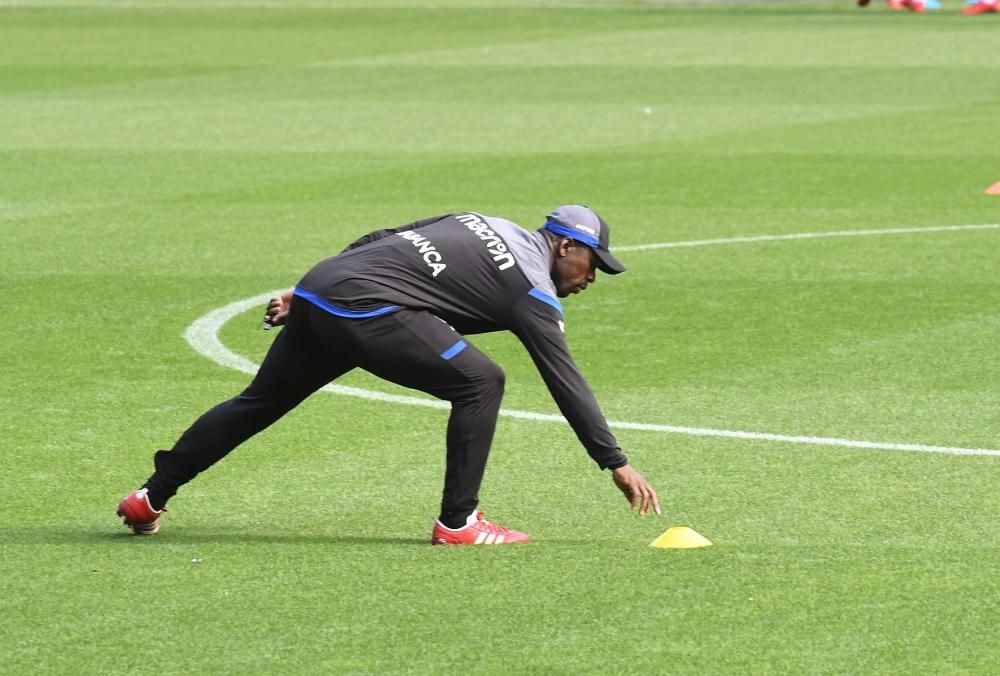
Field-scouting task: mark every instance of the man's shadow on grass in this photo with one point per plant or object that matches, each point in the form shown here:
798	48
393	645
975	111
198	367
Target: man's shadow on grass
62	535
50	535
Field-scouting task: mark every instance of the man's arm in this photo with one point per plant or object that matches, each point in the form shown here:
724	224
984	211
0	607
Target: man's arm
278	308
537	325
385	232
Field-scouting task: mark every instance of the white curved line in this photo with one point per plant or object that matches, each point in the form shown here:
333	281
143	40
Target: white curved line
804	235
203	336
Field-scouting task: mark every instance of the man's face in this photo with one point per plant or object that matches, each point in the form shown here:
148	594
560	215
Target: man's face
574	268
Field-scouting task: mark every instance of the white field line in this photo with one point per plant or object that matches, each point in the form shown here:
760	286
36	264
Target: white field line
203	336
804	235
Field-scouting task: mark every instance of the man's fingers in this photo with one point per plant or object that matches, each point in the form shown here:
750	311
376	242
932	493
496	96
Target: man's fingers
638	492
649	500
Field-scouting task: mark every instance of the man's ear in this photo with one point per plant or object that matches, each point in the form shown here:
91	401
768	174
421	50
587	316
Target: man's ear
565	244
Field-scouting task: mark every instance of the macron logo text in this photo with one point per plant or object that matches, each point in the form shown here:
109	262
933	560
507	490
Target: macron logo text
494	245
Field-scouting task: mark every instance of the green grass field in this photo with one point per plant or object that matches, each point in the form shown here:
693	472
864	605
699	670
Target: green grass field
161	160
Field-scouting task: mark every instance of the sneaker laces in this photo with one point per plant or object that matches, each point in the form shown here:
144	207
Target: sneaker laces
485	526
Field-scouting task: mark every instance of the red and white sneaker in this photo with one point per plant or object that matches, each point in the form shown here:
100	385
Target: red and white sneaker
137	513
980	8
476	531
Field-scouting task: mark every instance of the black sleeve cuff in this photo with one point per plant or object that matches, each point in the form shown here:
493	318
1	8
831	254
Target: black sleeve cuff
614	463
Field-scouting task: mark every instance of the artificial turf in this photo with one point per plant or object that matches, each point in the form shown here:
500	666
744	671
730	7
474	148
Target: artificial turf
162	160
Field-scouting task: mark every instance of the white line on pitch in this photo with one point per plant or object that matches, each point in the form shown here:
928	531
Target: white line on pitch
804	235
203	336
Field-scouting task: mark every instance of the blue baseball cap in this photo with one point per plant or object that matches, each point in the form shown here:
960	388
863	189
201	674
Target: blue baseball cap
585	226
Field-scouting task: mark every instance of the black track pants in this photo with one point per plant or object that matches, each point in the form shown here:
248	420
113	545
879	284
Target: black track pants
408	347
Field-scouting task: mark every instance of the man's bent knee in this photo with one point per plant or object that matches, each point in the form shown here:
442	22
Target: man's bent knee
496	380
486	385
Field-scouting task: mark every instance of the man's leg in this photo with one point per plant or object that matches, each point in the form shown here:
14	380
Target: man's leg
297	364
417	350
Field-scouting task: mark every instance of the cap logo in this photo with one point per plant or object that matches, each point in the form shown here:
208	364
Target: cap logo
586	229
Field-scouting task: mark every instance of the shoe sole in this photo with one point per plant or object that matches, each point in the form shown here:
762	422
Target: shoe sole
441	542
140	529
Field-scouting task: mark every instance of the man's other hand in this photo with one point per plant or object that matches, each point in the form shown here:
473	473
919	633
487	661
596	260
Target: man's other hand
277	309
637	490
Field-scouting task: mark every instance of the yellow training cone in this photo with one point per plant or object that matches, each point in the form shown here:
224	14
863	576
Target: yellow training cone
680	537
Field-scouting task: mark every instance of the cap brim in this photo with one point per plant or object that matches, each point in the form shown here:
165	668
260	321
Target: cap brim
608	263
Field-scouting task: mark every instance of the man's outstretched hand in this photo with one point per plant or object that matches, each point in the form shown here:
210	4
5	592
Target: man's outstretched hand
637	490
277	310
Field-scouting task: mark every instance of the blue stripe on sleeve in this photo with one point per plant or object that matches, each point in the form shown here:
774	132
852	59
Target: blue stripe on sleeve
546	298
